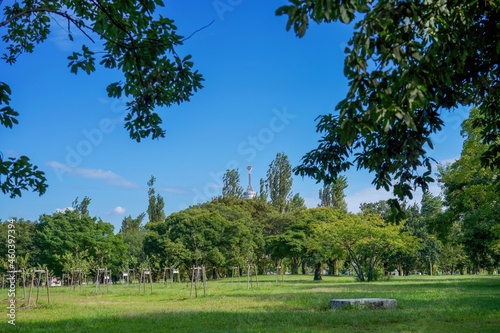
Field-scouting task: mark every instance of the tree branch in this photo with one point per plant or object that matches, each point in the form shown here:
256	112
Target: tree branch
196	31
131	38
46	10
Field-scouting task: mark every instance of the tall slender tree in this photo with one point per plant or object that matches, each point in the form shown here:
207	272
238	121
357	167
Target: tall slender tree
262	191
156	203
333	194
83	206
279	182
231	184
130	224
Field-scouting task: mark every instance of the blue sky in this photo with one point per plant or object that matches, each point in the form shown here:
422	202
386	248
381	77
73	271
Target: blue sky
263	89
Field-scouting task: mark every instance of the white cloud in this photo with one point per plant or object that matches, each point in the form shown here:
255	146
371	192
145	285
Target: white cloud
119	210
108	177
62	210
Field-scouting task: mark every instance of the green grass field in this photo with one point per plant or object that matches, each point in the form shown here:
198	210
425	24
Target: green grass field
425	304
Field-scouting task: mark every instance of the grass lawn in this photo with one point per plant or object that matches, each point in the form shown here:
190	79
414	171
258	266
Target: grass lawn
425	304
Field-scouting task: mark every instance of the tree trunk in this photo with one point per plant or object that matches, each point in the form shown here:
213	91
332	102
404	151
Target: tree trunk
295	265
304	268
430	267
317	272
359	271
332	267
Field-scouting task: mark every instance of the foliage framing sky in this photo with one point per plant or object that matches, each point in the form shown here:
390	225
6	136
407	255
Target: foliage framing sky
263	89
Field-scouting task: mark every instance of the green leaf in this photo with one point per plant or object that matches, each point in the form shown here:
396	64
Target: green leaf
416	56
343	14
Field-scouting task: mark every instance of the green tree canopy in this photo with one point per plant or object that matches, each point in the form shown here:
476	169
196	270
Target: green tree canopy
133	233
279	182
155	203
291	242
24	241
320	245
380	207
471	195
369	241
333	194
88	239
128	36
419	222
231	184
222	233
296	203
407	63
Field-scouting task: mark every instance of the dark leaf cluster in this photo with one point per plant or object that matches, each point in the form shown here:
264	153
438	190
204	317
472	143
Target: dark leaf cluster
407	63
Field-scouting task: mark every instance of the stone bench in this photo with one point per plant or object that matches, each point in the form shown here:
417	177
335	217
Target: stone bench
371	303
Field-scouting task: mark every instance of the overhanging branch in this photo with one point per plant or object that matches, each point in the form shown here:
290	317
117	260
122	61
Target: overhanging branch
46	10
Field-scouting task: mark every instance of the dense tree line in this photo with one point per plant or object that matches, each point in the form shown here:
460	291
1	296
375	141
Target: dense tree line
456	233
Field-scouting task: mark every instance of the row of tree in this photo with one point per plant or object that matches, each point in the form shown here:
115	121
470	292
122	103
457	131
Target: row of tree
456	232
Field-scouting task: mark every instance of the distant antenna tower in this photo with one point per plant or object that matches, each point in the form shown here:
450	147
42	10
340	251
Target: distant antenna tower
249	194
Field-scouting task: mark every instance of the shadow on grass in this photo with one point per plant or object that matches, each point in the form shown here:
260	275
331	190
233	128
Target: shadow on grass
405	284
399	320
426	305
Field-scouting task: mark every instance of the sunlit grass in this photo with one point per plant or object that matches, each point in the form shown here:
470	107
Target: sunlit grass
425	304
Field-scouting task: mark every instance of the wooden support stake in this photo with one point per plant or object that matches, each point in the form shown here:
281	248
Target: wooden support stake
256	277
106	278
24	283
97	280
204	277
151	280
47	282
31	287
140	279
248	276
192	281
37	287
